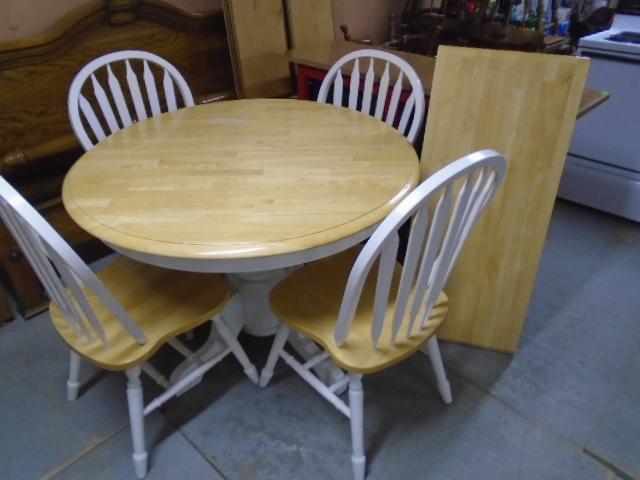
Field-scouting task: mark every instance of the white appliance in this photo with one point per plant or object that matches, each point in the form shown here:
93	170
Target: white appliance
603	165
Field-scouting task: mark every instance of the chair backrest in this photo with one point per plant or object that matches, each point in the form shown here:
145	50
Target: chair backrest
65	277
82	114
460	191
408	119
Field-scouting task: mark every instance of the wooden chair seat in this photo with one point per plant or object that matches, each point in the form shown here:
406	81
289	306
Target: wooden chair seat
309	301
163	304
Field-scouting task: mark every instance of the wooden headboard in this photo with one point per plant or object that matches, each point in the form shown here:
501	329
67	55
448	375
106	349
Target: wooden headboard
35	73
37	145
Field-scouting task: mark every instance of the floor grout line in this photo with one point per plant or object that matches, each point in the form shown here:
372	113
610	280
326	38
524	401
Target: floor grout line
578	448
615	469
84	453
93	447
629	370
202	453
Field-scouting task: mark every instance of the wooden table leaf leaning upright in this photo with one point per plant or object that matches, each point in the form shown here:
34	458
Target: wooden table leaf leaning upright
524	105
247	188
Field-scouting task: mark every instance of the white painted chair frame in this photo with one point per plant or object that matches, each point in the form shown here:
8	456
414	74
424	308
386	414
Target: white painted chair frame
415	103
79	106
432	250
47	252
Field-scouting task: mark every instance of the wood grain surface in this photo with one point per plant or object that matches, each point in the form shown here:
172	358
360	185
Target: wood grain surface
310	22
523	105
35	74
162	303
591	99
257	38
241	179
309	301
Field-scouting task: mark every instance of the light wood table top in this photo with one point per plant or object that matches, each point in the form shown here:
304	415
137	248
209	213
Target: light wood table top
242	179
324	55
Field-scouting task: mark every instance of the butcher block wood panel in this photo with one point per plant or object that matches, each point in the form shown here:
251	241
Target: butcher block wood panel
257	40
37	145
523	105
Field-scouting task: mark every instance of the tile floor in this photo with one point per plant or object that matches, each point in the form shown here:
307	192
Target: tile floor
566	406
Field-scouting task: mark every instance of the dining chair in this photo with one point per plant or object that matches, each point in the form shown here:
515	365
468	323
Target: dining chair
84	102
407	119
368	321
120	317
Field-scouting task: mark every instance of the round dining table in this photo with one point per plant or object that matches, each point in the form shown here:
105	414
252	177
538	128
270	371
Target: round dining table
249	188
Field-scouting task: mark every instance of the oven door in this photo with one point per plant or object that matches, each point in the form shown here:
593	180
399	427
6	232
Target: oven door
610	134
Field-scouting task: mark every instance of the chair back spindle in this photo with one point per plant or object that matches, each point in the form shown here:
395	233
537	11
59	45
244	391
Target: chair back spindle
111	110
408	118
65	277
460	191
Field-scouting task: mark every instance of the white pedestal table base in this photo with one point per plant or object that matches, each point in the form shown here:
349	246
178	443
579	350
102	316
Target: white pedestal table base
249	309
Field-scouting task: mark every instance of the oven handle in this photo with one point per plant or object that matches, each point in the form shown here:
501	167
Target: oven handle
609	55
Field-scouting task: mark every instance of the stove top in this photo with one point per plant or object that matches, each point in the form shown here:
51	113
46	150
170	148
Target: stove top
622	37
626	37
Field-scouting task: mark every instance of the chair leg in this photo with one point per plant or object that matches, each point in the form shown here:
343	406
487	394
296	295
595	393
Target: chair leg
356	400
236	348
73	384
136	419
274	354
438	368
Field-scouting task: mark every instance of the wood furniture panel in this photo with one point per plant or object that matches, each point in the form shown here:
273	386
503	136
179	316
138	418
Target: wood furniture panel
6	312
309	22
37	145
523	105
591	99
37	73
257	37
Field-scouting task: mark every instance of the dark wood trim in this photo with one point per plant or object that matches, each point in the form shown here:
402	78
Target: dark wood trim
172	17
40	48
6	312
97	12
